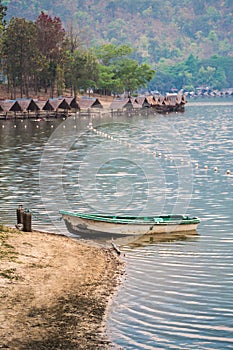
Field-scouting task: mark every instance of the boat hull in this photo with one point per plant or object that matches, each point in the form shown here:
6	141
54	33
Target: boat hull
79	225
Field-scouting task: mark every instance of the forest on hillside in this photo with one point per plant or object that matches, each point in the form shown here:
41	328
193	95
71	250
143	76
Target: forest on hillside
115	46
158	29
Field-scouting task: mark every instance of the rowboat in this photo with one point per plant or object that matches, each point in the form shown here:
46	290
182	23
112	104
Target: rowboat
119	225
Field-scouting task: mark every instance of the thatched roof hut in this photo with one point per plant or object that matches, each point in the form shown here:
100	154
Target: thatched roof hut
125	103
143	102
28	105
170	99
54	105
57	104
150	100
41	104
10	106
85	103
72	102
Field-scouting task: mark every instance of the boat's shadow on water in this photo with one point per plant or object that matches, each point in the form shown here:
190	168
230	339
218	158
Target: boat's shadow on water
132	242
151	239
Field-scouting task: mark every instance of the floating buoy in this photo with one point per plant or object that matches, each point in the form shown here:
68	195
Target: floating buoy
228	172
215	168
206	167
196	165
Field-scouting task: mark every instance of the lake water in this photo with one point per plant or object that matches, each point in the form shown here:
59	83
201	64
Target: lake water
176	294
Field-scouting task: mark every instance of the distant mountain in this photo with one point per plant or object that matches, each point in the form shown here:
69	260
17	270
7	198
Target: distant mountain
167	30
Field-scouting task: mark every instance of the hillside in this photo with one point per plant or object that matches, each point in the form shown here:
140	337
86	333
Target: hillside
169	29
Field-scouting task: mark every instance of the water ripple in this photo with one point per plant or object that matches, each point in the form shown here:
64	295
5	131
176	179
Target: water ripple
176	294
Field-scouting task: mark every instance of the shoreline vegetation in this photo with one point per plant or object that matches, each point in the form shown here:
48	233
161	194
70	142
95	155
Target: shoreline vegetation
55	291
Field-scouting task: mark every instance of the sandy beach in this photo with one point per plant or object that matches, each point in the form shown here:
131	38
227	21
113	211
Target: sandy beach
54	291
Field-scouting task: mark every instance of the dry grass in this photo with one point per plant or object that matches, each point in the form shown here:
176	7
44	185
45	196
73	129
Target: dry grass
54	291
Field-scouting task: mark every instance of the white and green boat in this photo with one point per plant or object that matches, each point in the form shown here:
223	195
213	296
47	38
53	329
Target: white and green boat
101	224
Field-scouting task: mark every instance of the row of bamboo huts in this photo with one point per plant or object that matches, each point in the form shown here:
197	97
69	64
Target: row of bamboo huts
63	106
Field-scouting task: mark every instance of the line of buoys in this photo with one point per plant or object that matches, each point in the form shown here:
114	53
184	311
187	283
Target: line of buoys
37	126
144	149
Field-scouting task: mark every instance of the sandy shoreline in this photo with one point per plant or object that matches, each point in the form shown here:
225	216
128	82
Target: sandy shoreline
54	291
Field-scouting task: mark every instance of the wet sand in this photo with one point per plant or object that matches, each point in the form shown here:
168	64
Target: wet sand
54	291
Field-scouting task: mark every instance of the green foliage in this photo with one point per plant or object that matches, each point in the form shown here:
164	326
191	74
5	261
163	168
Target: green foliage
81	70
33	54
50	40
177	27
3	10
108	53
20	53
118	72
215	72
133	75
135	36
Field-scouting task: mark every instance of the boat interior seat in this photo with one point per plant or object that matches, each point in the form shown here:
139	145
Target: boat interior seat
158	220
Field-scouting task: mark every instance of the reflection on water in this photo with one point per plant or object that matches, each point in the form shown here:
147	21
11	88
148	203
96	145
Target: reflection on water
21	147
128	243
177	294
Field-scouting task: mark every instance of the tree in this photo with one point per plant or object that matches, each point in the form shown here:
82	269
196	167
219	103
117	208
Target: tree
192	64
219	78
206	76
3	10
132	75
90	74
117	72
109	53
51	41
20	54
108	82
81	70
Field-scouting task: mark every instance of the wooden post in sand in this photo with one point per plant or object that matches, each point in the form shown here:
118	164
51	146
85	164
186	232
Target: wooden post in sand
27	221
19	213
